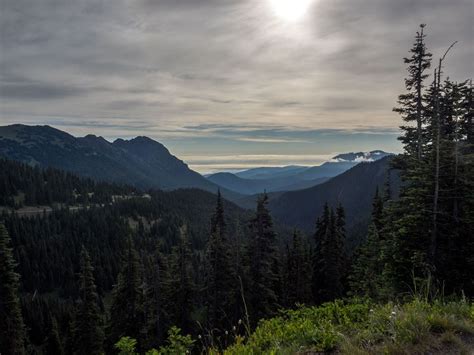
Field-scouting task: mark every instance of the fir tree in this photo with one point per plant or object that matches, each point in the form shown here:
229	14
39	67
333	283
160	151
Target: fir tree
330	261
88	324
179	284
298	272
366	274
411	103
220	280
407	250
126	312
12	328
263	264
154	304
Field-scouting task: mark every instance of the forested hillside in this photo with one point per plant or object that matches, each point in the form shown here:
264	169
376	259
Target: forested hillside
23	185
354	189
140	162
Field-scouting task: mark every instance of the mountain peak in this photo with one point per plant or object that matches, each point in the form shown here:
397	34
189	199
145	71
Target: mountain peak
360	157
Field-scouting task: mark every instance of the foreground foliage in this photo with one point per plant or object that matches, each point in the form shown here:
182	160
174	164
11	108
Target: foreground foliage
364	328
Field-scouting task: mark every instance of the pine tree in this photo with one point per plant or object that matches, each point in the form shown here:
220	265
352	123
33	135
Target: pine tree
407	250
411	103
180	287
298	272
12	328
377	210
220	280
367	268
319	264
330	260
154	303
428	226
263	264
126	312
88	324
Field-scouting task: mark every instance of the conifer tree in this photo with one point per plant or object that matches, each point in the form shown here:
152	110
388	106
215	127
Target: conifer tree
298	272
319	264
154	303
220	279
126	312
88	324
12	328
377	210
366	275
330	261
407	250
412	103
179	284
263	264
427	225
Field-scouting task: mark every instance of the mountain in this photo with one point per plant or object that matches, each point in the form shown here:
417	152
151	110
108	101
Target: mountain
290	178
354	189
271	172
256	185
140	162
340	163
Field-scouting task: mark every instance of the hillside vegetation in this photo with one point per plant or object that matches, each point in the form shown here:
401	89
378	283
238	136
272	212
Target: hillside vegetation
416	327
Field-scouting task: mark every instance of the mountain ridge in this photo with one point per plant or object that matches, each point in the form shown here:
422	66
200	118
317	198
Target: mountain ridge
291	178
140	162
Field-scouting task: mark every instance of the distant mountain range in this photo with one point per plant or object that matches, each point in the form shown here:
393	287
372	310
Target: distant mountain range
290	178
297	193
140	162
354	189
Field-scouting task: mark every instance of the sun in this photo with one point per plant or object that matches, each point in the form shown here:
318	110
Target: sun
290	10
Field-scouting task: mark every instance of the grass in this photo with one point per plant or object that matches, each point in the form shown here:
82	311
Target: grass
360	327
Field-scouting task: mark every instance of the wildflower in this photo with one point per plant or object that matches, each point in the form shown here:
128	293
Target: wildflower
234	328
371	310
199	336
240	321
226	332
394	313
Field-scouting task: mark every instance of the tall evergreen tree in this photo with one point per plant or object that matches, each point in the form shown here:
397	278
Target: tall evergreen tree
12	328
220	279
330	261
154	304
298	272
263	264
366	275
430	220
411	214
126	311
88	323
180	287
319	264
411	103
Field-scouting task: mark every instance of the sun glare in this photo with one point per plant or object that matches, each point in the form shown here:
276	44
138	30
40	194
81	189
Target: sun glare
290	10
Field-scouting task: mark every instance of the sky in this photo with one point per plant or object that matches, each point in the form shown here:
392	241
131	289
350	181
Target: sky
224	84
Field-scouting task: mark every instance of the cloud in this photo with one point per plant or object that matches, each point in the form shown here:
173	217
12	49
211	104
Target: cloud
221	75
208	164
36	90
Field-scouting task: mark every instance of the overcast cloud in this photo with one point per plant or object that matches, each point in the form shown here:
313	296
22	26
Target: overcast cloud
222	77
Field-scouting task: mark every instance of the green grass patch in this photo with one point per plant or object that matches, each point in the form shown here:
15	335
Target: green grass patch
356	327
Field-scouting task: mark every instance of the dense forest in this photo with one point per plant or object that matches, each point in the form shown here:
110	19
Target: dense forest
186	271
23	185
